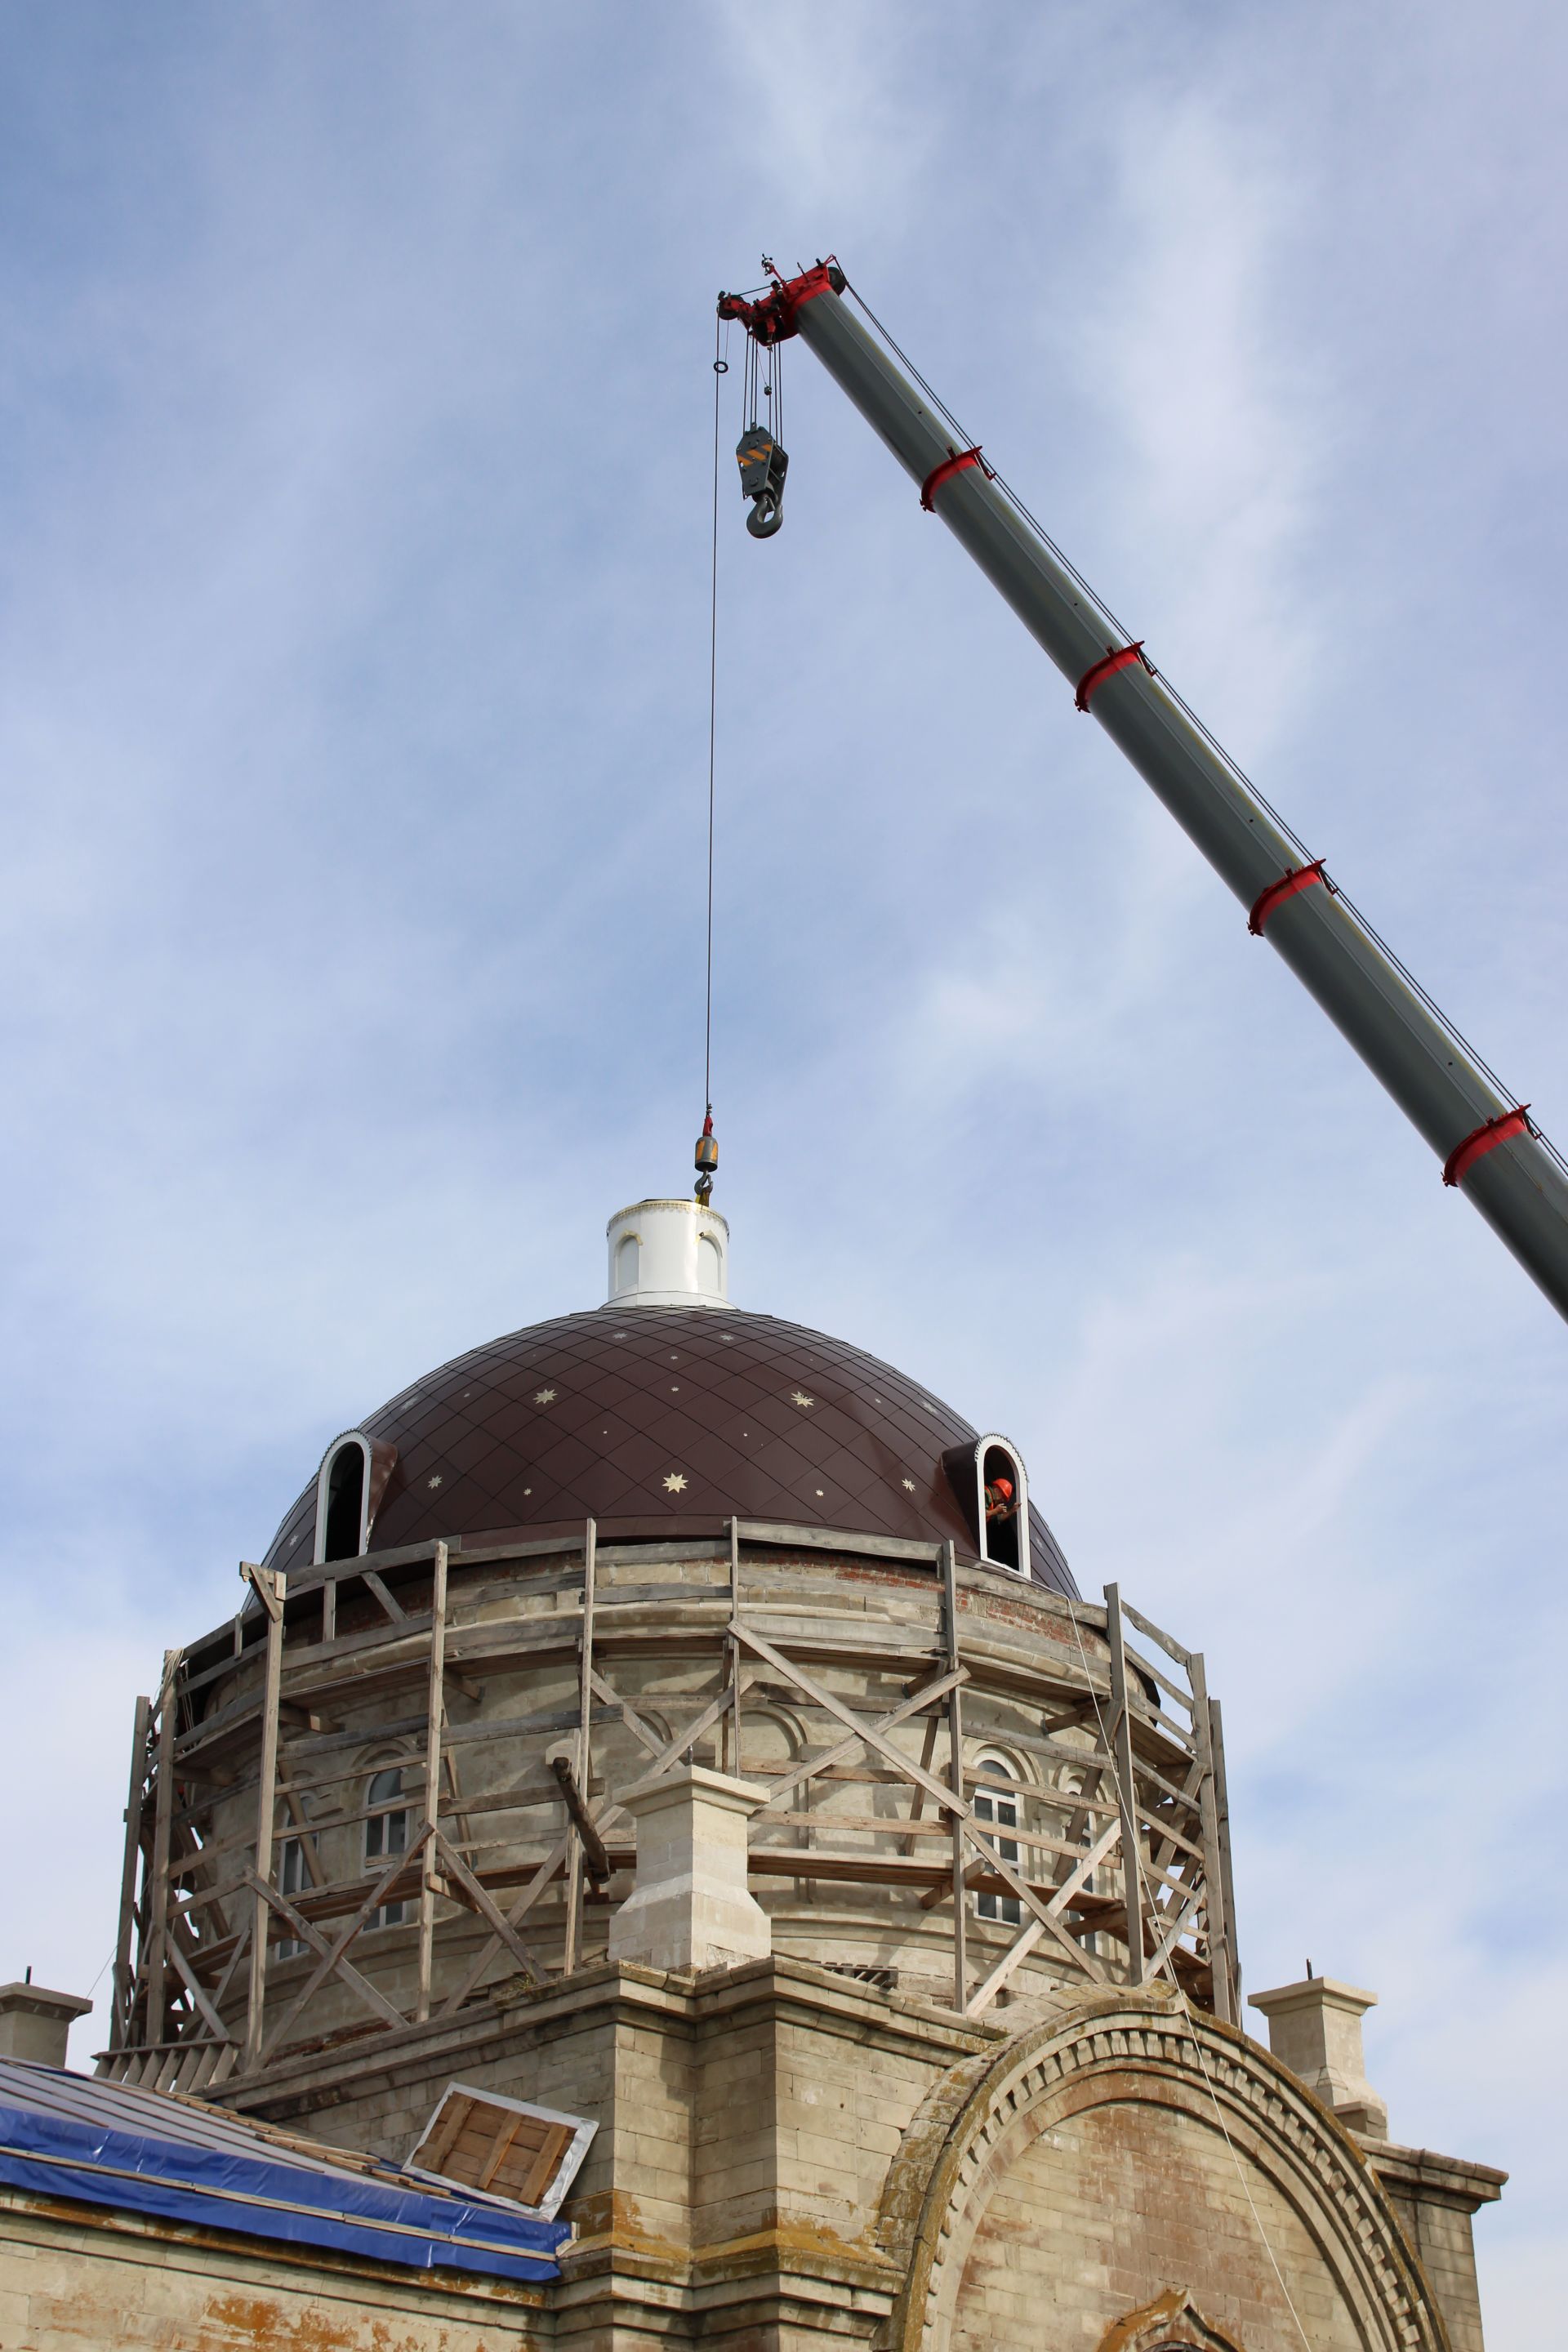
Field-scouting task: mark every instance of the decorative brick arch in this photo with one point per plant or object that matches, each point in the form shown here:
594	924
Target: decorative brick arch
1104	2049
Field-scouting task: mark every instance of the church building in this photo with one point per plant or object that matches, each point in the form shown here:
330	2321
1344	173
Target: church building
664	1855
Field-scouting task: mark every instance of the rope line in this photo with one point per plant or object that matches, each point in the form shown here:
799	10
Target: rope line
1128	1798
718	374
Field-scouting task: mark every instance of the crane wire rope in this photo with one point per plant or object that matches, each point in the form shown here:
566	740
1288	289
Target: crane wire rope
1450	1028
721	369
1128	1800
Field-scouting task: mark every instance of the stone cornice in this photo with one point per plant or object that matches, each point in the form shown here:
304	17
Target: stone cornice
1436	2179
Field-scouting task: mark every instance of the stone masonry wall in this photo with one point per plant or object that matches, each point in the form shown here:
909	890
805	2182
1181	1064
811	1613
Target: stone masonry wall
1092	2216
76	2278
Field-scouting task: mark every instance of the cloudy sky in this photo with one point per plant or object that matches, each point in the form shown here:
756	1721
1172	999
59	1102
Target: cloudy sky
354	481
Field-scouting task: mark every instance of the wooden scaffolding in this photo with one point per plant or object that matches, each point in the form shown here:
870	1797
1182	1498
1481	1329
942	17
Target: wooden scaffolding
1115	1870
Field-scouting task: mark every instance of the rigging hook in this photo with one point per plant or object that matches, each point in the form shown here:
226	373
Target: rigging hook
763	465
707	1160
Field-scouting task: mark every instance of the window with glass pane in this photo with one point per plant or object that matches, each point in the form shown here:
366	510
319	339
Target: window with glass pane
385	1835
292	1880
1001	1806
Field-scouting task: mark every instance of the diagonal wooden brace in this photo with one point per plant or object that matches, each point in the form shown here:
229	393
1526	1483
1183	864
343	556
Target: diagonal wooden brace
1031	1901
928	1694
331	1961
985	1994
474	1894
870	1732
525	1902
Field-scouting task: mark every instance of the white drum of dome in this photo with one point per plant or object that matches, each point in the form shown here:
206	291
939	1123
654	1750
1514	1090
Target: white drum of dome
668	1253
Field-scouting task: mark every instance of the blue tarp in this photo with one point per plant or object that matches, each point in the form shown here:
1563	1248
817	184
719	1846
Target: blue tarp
257	2190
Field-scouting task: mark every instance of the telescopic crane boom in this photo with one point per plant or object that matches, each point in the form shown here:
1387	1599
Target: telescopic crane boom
1489	1146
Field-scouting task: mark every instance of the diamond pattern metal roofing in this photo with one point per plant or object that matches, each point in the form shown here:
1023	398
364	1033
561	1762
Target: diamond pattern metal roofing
666	1421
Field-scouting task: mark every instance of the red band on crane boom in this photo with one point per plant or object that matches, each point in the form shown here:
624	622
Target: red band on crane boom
956	463
1095	676
1294	878
1482	1139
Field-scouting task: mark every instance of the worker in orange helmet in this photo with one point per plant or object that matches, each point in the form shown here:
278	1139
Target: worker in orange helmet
999	1501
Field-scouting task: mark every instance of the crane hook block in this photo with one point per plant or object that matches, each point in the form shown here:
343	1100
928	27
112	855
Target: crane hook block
763	465
707	1160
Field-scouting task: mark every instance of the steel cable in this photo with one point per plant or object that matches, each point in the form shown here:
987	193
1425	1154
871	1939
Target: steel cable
719	370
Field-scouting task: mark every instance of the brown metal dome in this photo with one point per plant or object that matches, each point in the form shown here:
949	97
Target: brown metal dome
664	1423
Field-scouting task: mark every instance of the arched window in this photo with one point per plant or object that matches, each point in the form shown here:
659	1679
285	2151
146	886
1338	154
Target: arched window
293	1881
353	1479
628	1261
1073	1785
989	1479
710	1268
343	1536
385	1835
999	1804
1005	1494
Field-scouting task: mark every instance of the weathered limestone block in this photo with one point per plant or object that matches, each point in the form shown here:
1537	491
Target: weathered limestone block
1436	2198
690	1908
35	2024
1314	2028
76	2278
1124	2154
790	2161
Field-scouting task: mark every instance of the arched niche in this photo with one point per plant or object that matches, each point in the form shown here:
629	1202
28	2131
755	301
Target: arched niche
628	1263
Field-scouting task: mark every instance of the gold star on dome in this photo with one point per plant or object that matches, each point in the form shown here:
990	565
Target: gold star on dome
434	1482
908	1485
674	1482
544	1396
800	1398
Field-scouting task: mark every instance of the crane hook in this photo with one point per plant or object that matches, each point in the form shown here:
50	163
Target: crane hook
763	465
707	1159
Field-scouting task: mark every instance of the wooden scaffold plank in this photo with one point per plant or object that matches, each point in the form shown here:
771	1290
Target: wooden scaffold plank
158	1875
270	1587
956	1774
1127	1797
572	1958
122	2022
436	1716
